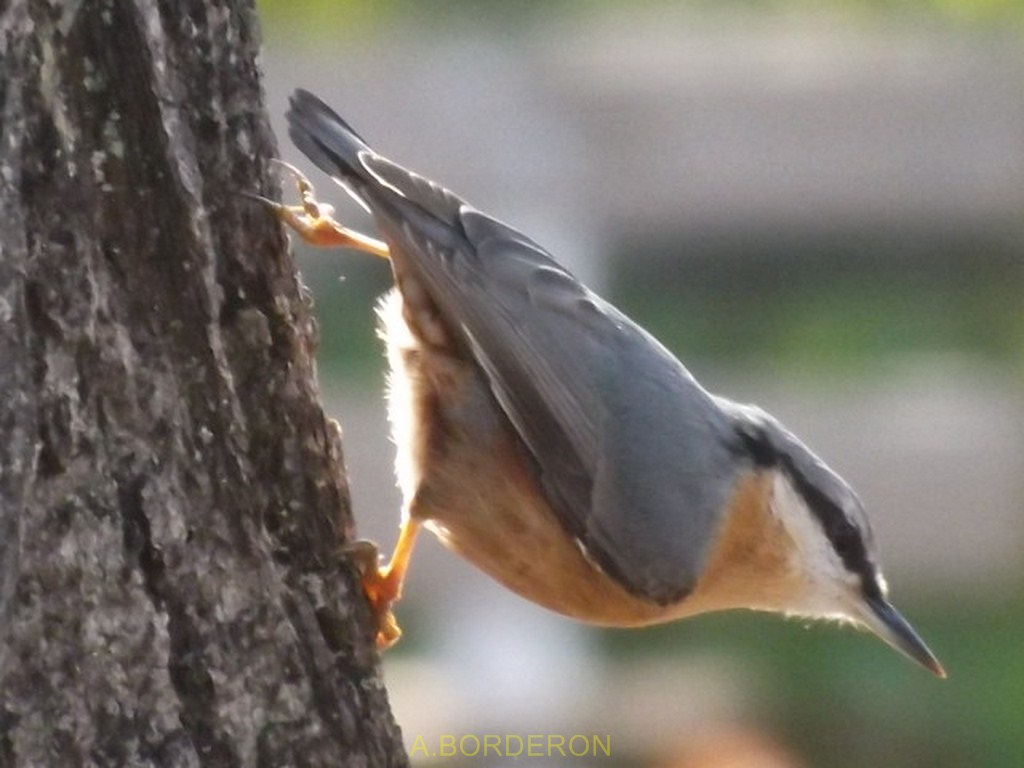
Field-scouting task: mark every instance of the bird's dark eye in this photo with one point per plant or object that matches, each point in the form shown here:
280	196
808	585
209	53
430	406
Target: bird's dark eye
756	445
845	538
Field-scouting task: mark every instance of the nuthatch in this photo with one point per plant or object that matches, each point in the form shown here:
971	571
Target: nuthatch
560	448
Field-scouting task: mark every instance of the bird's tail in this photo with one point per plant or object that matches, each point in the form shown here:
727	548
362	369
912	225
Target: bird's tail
320	133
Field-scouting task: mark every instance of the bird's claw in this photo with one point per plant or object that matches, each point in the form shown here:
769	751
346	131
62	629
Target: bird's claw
381	586
313	221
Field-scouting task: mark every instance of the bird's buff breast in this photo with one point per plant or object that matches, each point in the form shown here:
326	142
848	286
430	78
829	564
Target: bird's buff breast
485	505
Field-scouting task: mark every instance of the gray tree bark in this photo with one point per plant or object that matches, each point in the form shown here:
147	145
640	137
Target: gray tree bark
172	501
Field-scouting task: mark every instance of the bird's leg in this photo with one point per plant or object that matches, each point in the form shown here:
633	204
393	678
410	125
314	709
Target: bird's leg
313	221
383	585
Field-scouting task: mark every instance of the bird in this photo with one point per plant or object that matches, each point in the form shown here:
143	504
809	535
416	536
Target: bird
559	447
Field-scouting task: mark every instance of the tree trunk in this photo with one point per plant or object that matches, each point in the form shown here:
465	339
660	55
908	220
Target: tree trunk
172	502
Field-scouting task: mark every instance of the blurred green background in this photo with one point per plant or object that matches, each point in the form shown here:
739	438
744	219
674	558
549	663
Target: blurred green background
818	208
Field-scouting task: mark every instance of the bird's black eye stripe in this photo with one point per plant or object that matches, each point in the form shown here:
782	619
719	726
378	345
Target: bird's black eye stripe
846	539
844	536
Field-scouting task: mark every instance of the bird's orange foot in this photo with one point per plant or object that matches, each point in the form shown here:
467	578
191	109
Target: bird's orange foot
314	222
379	590
383	585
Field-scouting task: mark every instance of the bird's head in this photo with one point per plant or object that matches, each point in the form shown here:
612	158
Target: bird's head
814	553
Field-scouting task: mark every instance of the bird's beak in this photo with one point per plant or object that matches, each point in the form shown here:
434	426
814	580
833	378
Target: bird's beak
886	622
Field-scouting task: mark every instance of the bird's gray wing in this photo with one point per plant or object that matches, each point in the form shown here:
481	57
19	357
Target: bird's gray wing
632	453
